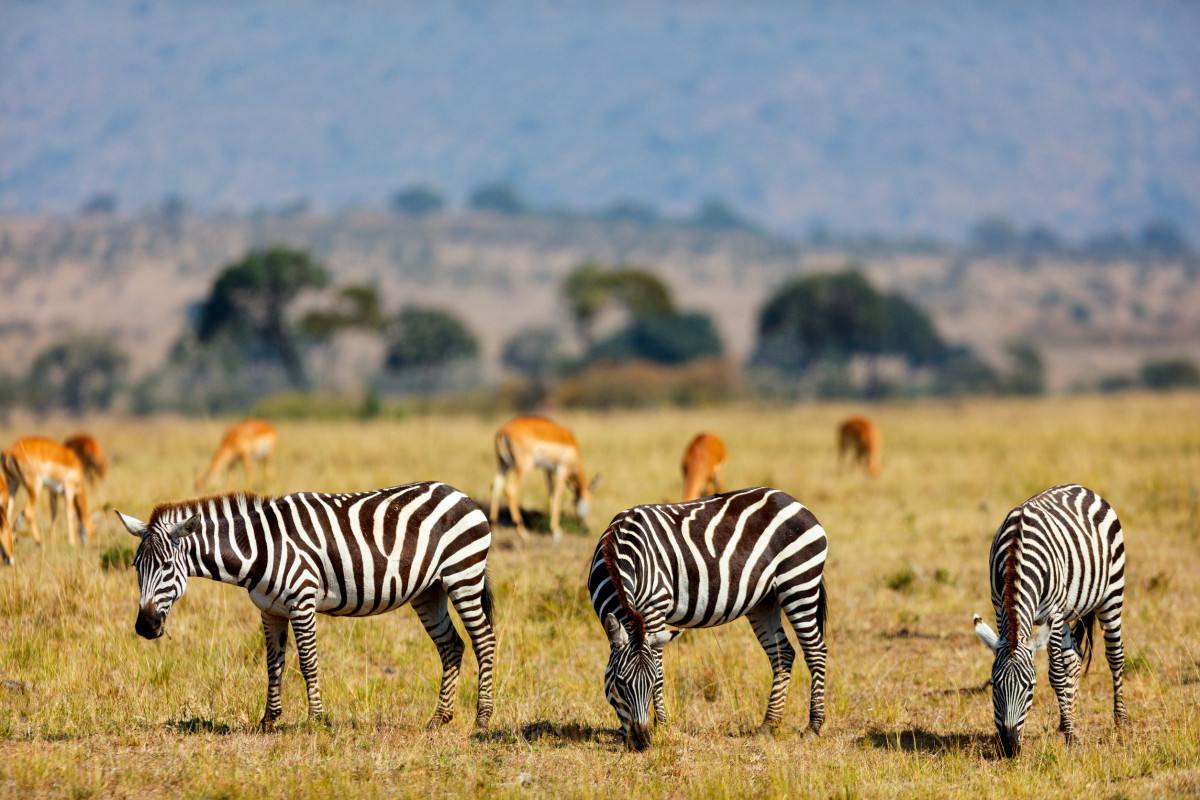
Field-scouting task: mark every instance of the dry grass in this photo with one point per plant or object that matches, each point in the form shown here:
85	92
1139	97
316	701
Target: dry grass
88	709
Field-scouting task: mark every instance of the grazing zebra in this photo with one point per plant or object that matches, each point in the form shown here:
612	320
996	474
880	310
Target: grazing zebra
1058	561
350	554
752	553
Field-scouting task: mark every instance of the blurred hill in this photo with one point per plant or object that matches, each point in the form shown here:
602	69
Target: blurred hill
136	279
863	116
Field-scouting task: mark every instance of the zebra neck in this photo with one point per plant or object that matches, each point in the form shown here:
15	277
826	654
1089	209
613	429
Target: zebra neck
631	573
229	542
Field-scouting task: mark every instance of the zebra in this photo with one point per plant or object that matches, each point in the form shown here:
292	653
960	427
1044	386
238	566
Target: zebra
352	554
752	552
1057	561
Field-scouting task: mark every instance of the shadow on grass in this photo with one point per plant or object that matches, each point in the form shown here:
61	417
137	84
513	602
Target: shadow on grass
964	690
553	732
199	725
919	740
537	520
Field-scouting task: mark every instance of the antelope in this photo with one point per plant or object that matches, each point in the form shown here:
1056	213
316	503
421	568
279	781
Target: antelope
33	463
526	443
6	533
703	466
248	441
91	455
860	437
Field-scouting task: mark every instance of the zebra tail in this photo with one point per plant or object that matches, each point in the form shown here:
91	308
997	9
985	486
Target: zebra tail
822	606
487	601
1084	632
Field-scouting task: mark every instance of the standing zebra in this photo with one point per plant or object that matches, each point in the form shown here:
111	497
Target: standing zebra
751	553
347	554
1057	561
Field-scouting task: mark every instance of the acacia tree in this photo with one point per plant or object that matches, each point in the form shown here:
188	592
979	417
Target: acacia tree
249	303
836	316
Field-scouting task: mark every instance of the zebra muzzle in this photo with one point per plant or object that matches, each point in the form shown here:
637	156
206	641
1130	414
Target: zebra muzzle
149	624
637	737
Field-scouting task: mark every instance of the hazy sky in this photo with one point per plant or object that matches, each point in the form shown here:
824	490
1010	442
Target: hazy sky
913	118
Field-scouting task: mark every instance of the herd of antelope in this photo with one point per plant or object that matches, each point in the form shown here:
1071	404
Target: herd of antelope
67	470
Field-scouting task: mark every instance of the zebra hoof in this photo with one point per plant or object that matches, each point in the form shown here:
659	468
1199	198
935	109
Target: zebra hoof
321	720
265	725
814	728
767	729
437	721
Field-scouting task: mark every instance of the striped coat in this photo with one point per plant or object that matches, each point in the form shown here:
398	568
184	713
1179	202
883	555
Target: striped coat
754	553
1058	562
352	554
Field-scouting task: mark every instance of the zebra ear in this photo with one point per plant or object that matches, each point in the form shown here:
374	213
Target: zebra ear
986	634
617	635
661	639
186	528
132	524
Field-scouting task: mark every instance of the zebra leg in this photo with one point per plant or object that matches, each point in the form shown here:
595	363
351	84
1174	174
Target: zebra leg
275	630
1065	667
660	701
468	600
768	627
801	611
1114	651
304	626
431	609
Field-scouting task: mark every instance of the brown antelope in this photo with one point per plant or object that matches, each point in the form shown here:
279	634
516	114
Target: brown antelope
528	443
6	533
248	441
859	436
91	455
703	466
34	463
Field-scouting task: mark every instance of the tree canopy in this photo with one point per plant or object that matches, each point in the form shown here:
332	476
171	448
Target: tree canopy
418	200
249	302
836	316
423	338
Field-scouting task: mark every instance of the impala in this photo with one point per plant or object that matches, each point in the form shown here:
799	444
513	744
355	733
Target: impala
248	441
860	437
34	463
703	466
528	443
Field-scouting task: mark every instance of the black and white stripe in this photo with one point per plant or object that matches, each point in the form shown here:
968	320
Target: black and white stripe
347	554
1057	561
756	553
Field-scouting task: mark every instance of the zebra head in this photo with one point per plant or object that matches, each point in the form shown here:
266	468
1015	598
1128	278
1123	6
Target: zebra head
1013	679
161	569
634	670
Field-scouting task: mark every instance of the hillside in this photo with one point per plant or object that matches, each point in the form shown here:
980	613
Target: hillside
864	116
135	279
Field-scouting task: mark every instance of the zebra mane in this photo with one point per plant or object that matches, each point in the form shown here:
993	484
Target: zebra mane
608	553
1012	626
197	504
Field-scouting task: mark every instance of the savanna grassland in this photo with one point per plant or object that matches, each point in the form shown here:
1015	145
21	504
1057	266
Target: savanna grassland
87	709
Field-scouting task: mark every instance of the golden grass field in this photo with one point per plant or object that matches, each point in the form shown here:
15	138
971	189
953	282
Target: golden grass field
87	709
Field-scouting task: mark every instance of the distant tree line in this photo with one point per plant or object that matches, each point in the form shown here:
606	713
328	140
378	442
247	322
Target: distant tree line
251	336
